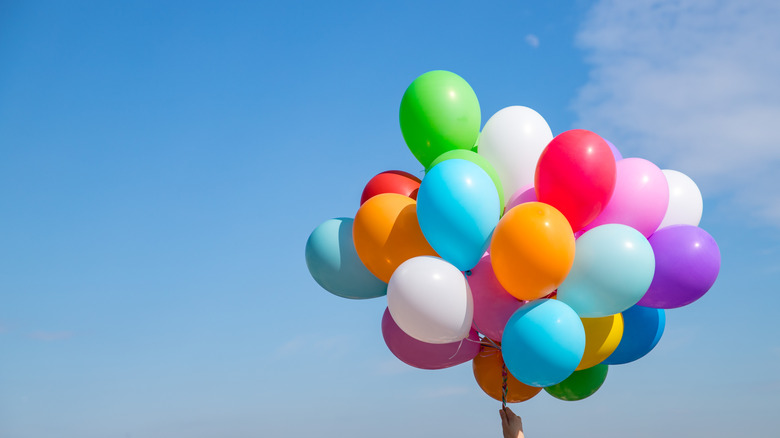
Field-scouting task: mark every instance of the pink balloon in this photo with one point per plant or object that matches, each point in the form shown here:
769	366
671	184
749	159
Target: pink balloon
493	305
424	355
521	196
640	198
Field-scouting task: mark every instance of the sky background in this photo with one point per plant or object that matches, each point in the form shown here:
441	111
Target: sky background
163	163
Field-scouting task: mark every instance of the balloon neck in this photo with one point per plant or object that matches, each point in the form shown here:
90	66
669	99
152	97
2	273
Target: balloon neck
468	273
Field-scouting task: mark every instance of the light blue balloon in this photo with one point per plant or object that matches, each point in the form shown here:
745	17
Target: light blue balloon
613	268
334	263
543	343
457	208
642	329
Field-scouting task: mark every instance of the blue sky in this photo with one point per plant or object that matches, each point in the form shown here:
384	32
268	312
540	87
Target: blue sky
161	167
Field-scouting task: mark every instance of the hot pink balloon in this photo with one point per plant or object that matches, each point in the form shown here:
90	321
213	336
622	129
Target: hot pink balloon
521	196
424	355
493	305
640	198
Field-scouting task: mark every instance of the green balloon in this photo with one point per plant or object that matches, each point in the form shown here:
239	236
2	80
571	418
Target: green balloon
581	384
480	161
439	113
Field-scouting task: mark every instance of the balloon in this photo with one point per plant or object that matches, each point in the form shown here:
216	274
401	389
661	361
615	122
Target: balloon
612	270
581	384
643	327
640	198
430	300
335	265
493	305
488	372
524	194
512	140
480	161
615	151
532	250
687	264
391	181
576	174
424	355
685	202
543	342
458	208
602	336
386	233
439	112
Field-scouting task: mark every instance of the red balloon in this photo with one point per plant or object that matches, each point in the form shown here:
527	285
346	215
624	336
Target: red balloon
576	174
391	181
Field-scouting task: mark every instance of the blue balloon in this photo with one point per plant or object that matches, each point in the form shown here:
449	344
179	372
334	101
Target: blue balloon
613	268
543	343
333	262
642	329
457	208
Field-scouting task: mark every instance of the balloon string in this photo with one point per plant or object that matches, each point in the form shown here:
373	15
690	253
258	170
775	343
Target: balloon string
460	344
503	384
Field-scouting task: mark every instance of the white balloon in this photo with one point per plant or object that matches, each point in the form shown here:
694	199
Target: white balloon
685	201
430	300
512	141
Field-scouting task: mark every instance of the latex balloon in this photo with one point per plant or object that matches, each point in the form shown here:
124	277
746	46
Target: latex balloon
439	112
543	342
580	385
532	250
335	265
391	181
488	371
386	233
643	327
613	268
493	305
640	198
685	201
458	208
430	300
615	151
602	336
424	355
521	196
480	161
576	174
687	265
512	140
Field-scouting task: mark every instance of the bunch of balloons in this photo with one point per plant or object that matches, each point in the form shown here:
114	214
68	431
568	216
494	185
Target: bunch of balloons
541	259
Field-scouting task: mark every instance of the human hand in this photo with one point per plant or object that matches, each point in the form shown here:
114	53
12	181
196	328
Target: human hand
511	423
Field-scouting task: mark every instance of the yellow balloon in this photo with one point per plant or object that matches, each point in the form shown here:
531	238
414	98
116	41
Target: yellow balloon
386	233
532	250
602	336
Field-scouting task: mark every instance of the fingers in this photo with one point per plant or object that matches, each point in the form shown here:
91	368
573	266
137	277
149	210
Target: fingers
503	416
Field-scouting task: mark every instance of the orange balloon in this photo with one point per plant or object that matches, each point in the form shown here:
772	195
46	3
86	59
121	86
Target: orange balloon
602	336
386	233
487	370
532	250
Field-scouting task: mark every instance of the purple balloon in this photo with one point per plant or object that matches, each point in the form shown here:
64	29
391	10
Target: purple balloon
424	355
687	262
493	305
615	151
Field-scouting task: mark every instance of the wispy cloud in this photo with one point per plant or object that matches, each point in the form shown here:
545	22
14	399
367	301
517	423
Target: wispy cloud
692	86
49	336
532	40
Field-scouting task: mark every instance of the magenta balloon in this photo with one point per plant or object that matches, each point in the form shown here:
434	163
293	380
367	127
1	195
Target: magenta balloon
493	305
640	199
424	355
521	196
687	262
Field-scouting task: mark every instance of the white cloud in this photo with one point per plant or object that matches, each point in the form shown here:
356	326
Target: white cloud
532	40
691	85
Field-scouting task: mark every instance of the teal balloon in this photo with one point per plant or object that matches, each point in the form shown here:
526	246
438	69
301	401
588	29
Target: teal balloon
458	208
613	268
335	265
642	329
580	385
543	342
